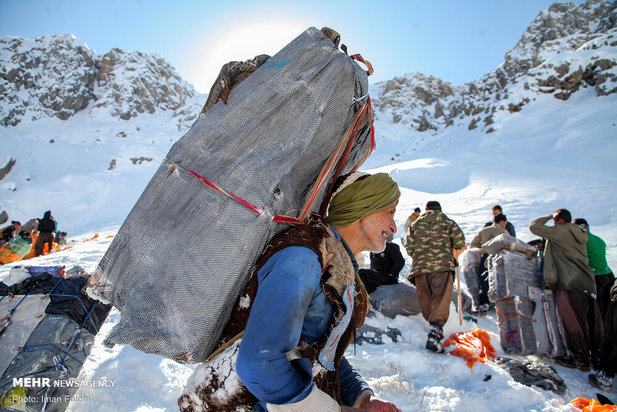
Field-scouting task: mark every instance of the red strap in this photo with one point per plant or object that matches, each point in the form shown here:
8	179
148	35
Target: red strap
326	172
367	63
258	210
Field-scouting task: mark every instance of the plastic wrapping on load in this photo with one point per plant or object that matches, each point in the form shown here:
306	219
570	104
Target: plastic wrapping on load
470	258
18	274
55	350
546	323
469	264
183	255
510	273
516	325
498	243
528	321
19	317
470	275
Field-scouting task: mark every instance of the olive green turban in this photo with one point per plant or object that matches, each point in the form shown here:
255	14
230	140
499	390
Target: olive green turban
353	201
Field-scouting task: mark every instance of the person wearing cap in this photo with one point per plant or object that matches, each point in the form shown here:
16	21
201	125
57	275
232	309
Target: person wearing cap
566	271
310	300
486	234
430	242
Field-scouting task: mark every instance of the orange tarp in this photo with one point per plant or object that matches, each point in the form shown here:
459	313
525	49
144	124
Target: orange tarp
592	405
473	346
7	256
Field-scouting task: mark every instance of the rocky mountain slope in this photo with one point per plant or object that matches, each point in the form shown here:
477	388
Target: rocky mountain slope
59	75
565	49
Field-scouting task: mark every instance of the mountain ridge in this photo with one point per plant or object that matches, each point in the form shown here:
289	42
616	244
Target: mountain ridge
565	48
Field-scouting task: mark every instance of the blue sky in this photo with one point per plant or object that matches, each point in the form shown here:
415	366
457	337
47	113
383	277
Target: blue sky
456	40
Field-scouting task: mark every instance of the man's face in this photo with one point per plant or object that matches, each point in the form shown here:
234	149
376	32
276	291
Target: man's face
496	212
416	212
375	229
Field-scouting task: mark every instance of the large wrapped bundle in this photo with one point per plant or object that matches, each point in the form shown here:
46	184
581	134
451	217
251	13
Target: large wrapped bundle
470	258
55	351
546	323
507	242
516	330
182	256
510	273
44	340
469	263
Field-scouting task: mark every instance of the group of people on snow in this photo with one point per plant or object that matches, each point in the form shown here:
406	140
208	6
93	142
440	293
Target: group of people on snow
573	265
309	299
34	238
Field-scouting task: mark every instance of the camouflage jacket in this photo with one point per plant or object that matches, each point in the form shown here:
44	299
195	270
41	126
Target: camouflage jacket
430	242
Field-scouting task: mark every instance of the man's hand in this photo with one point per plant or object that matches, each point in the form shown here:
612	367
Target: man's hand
374	404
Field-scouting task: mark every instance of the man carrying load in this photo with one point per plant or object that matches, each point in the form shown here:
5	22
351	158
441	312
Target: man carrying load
310	297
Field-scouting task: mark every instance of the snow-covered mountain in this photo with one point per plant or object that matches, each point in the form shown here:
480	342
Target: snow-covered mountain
72	116
565	49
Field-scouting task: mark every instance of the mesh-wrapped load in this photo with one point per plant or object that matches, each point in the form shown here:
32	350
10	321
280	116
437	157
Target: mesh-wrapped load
183	254
510	273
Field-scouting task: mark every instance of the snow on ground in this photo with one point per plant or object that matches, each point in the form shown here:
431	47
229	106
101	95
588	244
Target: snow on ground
403	371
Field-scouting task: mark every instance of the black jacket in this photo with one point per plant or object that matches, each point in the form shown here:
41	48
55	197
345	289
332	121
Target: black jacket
385	267
47	224
390	261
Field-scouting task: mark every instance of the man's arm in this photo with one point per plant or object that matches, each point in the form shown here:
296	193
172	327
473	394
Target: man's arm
352	384
410	240
457	237
538	227
475	242
510	229
275	325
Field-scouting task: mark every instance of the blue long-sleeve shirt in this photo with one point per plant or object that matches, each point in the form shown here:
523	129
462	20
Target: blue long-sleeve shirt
289	304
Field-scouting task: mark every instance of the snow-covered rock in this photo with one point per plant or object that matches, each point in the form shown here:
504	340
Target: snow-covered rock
135	82
565	49
48	76
59	75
